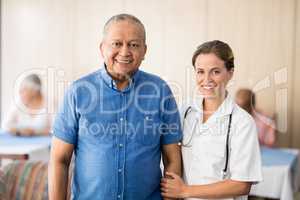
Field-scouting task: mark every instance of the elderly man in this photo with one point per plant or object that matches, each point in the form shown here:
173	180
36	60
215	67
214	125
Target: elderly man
117	121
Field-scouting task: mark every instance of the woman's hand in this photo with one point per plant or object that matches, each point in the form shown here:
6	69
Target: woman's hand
173	187
13	131
26	132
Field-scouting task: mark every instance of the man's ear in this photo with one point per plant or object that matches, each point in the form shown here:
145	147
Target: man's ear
146	48
101	49
145	51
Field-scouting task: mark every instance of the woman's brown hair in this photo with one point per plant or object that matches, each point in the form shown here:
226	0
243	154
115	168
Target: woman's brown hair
248	98
221	49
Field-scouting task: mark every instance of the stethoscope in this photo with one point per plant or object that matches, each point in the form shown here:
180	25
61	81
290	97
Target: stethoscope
188	143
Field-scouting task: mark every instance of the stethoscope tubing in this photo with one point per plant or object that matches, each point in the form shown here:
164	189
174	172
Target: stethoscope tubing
188	144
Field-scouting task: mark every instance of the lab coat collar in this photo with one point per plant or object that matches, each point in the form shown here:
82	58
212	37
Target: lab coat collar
226	108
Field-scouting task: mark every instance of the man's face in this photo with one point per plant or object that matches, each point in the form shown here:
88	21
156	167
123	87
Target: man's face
123	48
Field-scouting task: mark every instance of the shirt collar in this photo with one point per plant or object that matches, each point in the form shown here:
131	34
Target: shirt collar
112	83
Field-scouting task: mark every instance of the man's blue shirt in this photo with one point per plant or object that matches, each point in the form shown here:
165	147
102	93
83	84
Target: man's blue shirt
118	135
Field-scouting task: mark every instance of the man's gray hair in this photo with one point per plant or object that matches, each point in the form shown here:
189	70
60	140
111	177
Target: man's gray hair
124	17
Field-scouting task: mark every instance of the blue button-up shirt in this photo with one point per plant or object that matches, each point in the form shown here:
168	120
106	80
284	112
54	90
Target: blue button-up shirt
118	135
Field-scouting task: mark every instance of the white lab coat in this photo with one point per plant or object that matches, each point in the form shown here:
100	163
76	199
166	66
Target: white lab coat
204	146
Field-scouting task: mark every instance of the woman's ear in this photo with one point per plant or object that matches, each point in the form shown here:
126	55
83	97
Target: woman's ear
231	73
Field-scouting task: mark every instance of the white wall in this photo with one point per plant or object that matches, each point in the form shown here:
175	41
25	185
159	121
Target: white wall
36	35
295	111
66	34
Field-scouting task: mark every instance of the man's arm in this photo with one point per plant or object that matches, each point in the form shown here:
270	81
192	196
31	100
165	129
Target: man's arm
60	157
171	155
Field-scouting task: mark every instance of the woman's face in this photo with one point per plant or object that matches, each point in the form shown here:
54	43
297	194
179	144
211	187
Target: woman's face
211	75
27	94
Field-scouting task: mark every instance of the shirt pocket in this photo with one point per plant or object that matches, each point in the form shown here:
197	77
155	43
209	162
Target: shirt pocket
146	129
209	153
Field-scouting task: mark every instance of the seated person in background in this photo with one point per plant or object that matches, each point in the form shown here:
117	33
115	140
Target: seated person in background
29	117
265	124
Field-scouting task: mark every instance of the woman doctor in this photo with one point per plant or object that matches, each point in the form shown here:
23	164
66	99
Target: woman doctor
220	150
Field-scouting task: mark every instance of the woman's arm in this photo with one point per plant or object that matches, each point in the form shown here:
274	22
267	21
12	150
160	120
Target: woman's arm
176	188
10	122
47	129
266	128
270	137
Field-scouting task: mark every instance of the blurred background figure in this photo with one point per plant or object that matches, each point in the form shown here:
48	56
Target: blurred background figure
245	98
31	117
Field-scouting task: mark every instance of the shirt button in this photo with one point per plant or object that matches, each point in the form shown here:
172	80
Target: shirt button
121	119
119	196
119	170
120	145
